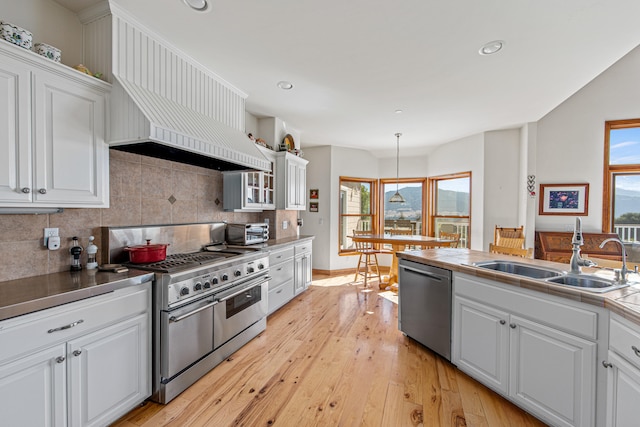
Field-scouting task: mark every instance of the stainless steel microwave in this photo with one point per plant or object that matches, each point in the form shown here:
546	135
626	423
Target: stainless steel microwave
247	234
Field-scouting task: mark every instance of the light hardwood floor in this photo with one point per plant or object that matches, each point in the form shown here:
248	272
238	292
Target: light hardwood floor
333	356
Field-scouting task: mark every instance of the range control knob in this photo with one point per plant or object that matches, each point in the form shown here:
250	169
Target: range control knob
237	273
207	285
197	286
184	291
214	280
225	277
260	266
250	270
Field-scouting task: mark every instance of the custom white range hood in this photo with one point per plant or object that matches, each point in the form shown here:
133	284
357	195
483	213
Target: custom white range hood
165	105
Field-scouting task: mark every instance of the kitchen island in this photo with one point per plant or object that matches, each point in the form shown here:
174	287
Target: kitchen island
564	354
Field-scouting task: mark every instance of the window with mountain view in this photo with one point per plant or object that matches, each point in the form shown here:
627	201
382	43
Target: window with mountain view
407	217
621	195
357	209
451	206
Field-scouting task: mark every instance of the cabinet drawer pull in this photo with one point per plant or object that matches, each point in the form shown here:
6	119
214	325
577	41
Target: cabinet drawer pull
635	350
606	364
62	328
60	359
26	190
512	325
42	191
77	353
502	322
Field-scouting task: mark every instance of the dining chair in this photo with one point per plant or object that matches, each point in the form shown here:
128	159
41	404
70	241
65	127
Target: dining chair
506	250
450	236
511	237
367	266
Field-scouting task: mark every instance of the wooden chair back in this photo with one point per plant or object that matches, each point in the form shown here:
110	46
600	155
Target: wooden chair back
401	231
505	250
363	246
510	237
450	236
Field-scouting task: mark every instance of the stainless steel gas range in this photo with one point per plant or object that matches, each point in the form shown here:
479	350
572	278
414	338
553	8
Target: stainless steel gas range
208	299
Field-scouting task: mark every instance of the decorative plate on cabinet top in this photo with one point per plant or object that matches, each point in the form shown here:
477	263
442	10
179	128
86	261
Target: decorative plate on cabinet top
288	142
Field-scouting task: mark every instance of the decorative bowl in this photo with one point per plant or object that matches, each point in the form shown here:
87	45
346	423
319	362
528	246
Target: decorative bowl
16	35
48	51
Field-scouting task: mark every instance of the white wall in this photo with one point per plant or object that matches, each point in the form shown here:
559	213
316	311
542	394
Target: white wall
570	144
49	23
464	155
319	223
501	181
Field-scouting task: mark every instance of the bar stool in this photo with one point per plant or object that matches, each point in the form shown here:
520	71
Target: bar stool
367	261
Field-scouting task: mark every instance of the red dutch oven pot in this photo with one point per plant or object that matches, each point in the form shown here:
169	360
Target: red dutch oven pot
142	254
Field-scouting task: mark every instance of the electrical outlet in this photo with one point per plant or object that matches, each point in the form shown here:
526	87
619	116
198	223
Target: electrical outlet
285	225
266	221
50	232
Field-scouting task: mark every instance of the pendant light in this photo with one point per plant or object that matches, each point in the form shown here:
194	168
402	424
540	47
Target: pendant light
397	198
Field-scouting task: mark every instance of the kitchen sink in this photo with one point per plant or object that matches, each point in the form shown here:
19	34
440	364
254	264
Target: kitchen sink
587	282
520	269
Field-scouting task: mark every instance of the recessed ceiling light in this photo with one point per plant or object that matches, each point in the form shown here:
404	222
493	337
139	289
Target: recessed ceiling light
398	111
491	47
198	5
285	85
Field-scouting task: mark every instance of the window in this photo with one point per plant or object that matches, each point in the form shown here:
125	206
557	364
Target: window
406	216
357	202
621	189
450	206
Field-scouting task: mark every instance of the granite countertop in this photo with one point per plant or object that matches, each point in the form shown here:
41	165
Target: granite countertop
30	294
624	302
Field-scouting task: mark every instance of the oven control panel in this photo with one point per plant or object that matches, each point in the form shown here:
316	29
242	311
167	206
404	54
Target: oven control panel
205	281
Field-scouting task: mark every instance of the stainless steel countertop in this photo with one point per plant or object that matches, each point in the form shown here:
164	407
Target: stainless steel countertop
30	294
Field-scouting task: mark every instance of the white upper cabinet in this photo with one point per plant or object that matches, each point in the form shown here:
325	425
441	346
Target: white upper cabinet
52	137
253	191
291	178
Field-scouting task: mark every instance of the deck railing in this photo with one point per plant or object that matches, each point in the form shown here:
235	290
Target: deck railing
627	232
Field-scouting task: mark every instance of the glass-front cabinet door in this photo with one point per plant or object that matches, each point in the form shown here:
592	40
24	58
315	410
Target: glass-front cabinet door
253	190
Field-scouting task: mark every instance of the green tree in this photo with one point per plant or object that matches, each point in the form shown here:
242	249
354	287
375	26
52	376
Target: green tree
365	200
628	218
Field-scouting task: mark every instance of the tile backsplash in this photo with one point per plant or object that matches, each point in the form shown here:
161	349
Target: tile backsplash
143	191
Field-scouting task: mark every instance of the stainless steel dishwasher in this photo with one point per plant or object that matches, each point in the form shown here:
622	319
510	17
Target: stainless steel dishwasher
424	305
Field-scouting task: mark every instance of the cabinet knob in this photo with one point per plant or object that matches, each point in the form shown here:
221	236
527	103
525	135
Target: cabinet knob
60	359
606	364
512	325
26	190
77	353
502	322
635	350
42	191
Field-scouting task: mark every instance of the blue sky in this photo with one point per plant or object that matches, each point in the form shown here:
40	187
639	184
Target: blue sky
624	146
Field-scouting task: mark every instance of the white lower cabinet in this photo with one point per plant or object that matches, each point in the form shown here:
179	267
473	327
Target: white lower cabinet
33	390
539	353
623	381
108	372
290	269
303	268
94	369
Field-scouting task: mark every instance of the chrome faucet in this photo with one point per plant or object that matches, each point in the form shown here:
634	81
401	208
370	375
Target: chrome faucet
576	241
624	270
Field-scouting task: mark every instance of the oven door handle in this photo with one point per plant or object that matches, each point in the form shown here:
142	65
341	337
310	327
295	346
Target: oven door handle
191	313
244	289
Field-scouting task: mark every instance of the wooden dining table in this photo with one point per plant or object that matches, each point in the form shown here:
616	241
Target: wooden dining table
398	243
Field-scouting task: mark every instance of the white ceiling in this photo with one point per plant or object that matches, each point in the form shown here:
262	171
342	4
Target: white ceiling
354	62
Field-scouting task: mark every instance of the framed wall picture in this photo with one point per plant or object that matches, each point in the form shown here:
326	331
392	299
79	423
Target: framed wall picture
564	199
313	207
313	193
